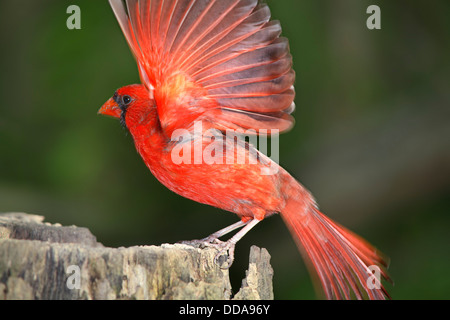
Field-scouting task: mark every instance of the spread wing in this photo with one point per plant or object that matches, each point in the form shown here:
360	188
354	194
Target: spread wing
220	60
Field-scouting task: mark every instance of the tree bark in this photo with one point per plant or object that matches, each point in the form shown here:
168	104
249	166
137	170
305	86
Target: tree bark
48	261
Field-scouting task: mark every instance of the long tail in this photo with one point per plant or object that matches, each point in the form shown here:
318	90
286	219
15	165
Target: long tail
347	266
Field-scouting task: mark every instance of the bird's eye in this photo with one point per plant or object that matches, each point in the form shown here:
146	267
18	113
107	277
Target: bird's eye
126	100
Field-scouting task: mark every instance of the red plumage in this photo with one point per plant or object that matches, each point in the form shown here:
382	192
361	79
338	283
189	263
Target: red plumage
224	64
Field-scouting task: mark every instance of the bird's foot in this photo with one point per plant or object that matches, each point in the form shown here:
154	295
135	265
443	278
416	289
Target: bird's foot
224	259
203	243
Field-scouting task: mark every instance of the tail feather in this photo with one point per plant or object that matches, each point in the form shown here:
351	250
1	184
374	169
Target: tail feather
342	261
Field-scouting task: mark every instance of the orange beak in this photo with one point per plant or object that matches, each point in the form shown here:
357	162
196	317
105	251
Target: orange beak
110	108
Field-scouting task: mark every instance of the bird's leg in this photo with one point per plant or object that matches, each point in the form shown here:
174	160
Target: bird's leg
213	239
228	246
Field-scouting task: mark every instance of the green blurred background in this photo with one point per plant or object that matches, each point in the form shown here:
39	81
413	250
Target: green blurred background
372	138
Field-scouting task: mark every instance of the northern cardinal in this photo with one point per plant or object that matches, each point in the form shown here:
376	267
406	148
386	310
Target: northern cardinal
223	64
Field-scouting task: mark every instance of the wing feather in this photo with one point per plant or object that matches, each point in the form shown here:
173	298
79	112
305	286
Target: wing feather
220	60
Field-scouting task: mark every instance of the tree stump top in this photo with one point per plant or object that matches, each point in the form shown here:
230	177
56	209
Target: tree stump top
39	260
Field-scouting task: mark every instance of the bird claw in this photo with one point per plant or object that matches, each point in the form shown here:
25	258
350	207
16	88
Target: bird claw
225	255
226	250
203	243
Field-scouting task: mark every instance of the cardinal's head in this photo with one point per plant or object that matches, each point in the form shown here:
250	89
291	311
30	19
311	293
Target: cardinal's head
133	105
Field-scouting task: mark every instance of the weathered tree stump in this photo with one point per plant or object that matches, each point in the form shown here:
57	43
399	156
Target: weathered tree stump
48	261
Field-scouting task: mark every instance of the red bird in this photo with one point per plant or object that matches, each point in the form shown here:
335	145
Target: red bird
223	64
